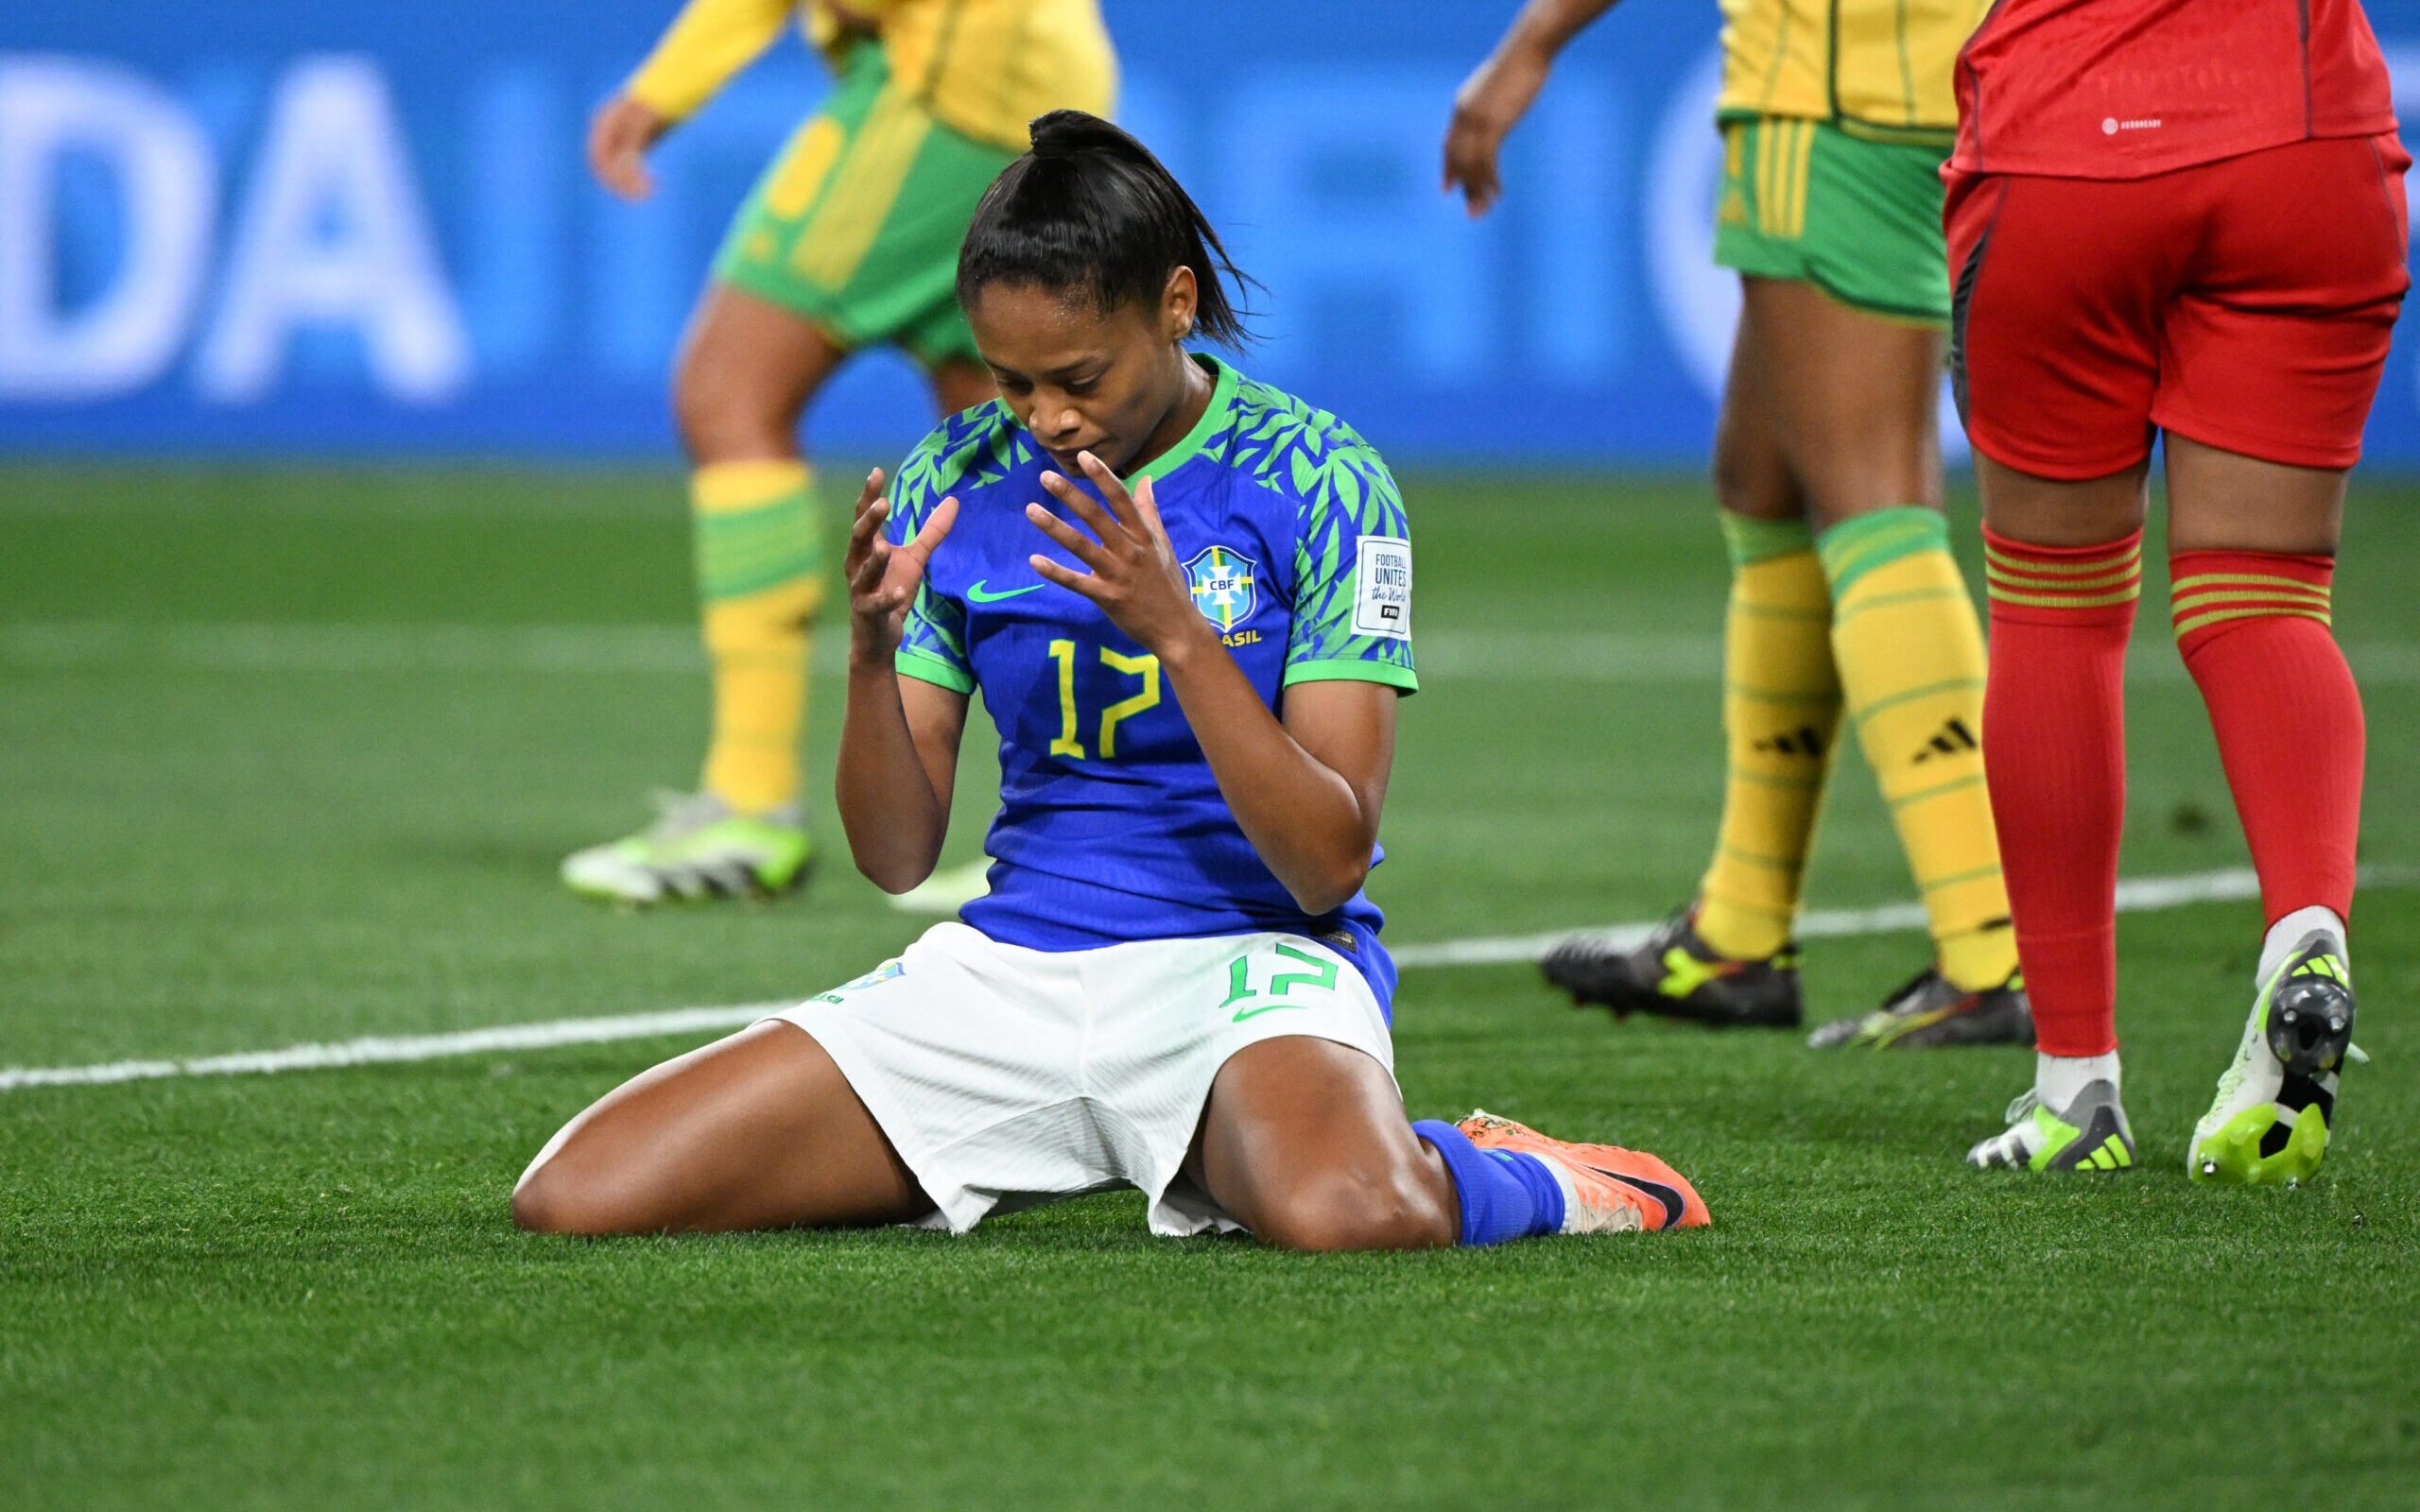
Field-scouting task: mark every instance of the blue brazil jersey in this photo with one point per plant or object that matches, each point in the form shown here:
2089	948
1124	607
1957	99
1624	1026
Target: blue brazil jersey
1112	826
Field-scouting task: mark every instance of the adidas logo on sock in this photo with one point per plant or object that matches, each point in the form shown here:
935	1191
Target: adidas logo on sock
1950	740
1803	741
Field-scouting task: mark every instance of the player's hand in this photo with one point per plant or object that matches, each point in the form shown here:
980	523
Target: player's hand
1490	103
1134	575
883	578
619	135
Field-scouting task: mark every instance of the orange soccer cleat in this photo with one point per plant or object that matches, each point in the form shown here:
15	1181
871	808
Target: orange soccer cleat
1606	1189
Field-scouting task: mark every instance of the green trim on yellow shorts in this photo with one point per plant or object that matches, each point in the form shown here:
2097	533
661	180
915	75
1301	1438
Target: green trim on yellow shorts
857	225
1858	219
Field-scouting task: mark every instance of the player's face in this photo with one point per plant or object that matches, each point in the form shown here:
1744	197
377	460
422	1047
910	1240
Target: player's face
1081	379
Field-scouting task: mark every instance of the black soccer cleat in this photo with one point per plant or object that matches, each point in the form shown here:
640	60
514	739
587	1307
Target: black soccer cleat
1928	1011
1676	974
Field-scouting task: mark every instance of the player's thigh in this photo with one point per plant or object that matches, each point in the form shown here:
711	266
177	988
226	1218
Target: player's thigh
1304	1141
746	370
2062	511
1752	475
1847	299
2272	353
1853	397
755	1131
2220	500
2059	289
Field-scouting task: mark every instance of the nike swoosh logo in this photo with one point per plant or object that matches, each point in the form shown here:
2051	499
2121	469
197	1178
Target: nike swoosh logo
978	594
1241	1014
1674	1205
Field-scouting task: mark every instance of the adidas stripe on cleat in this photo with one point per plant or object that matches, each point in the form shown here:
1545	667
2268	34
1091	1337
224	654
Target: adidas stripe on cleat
1929	1011
697	849
1606	1189
2276	1100
2090	1134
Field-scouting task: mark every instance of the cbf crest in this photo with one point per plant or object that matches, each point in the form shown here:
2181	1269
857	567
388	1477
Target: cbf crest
1225	585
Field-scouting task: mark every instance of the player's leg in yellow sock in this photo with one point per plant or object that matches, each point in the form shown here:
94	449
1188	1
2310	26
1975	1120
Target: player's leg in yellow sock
1781	715
1910	657
760	581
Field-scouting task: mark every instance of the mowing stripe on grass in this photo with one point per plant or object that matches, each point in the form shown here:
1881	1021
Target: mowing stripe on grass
2141	895
1610	657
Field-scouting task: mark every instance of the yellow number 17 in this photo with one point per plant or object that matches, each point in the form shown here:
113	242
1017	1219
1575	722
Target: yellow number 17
1145	667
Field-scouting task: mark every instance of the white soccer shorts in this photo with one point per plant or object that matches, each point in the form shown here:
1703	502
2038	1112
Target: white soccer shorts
1006	1076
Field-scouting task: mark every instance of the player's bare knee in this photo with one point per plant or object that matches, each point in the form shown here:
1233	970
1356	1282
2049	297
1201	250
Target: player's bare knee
556	1196
723	417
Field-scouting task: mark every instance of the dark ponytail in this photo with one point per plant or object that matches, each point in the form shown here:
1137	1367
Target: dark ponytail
1089	209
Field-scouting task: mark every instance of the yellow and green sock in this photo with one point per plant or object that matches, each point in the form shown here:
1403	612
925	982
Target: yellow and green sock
1910	657
1781	716
760	581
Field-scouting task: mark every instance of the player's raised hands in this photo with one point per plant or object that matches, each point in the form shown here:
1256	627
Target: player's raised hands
883	578
1134	577
619	136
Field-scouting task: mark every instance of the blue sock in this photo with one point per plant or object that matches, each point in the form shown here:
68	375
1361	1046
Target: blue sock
1503	1194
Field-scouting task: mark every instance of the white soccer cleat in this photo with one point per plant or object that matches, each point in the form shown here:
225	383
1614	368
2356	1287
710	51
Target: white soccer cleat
696	848
2269	1124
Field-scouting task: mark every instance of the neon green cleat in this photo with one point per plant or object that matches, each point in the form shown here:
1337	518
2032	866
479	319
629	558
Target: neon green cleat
2090	1134
2269	1124
696	848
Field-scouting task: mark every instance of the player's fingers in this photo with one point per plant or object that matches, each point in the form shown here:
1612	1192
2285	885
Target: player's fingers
1080	546
1113	489
867	574
935	527
1067	577
871	491
869	522
1085	507
1146	510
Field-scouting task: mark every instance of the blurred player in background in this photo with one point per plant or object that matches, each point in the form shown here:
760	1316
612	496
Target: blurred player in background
849	241
1836	116
2183	218
1193	652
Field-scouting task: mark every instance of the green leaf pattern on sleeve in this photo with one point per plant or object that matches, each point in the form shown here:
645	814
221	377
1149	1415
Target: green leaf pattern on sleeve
965	451
1344	495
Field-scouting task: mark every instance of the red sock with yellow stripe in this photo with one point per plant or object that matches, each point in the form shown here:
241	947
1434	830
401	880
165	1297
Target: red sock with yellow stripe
2252	627
2054	741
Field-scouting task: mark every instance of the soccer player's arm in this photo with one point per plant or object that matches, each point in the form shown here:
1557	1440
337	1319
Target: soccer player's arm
1310	802
1500	91
905	712
707	44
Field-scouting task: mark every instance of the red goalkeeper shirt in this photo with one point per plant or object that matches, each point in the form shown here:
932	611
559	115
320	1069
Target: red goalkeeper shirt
2121	89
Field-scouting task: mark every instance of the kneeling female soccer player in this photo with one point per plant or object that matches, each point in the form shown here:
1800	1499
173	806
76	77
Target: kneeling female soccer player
1186	598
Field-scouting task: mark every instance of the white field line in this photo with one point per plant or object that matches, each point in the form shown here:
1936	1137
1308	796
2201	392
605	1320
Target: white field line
2141	895
1577	656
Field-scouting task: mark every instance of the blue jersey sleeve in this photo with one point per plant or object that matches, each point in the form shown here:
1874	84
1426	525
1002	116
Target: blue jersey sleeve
1352	574
932	646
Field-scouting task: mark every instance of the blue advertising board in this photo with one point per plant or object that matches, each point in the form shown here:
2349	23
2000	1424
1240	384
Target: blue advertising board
308	228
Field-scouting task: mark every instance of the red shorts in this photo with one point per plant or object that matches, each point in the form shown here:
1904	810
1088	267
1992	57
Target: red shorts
2244	303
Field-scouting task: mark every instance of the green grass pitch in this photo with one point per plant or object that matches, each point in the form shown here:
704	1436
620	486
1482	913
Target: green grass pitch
291	757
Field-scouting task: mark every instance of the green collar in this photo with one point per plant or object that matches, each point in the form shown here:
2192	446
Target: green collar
1214	416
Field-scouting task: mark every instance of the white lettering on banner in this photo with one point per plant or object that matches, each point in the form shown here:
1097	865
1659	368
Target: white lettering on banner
125	335
333	233
1382	591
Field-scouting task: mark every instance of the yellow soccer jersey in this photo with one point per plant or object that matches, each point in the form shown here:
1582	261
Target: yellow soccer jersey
1881	66
982	67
